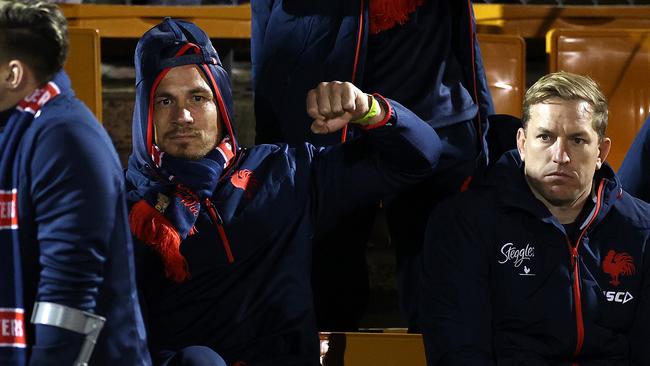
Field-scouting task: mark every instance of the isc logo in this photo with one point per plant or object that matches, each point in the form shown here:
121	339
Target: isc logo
620	297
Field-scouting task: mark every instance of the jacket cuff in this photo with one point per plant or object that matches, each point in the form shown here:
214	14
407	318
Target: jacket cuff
389	113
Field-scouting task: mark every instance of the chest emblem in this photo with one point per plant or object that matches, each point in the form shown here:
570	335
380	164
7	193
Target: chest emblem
510	253
244	180
617	264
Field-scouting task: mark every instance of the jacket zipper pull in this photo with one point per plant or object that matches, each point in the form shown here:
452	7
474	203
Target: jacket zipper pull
574	256
214	211
214	215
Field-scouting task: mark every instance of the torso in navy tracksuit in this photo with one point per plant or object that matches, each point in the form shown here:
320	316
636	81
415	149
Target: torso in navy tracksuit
504	283
431	64
74	233
258	308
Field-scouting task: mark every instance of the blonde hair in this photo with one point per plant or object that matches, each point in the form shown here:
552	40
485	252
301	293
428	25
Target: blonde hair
568	86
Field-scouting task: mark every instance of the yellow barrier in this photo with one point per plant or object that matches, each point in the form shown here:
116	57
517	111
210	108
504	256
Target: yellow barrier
131	21
220	21
376	349
84	67
534	21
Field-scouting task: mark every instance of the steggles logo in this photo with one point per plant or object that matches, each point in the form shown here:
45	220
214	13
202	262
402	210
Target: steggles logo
517	256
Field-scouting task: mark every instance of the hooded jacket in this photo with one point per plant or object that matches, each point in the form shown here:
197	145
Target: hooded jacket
503	283
423	54
74	242
248	296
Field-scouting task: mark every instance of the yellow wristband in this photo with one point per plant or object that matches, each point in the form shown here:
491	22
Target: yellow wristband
373	111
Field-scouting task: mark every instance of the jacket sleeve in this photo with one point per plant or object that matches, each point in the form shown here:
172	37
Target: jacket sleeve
75	185
385	159
634	173
454	302
640	334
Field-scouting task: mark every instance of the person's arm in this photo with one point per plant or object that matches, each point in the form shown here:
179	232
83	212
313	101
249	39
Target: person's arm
396	150
455	308
75	187
268	128
634	172
260	15
640	334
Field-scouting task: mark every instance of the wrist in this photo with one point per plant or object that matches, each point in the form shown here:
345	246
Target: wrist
374	114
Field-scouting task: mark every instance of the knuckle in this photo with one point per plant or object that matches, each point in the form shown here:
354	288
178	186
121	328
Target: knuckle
322	85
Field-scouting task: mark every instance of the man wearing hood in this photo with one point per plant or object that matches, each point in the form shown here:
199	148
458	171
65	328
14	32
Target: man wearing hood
65	246
549	263
224	232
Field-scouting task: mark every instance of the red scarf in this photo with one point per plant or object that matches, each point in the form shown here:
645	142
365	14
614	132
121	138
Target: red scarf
385	14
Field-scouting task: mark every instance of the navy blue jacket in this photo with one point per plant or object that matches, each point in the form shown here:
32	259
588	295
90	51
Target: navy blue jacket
258	309
431	64
74	234
634	172
502	286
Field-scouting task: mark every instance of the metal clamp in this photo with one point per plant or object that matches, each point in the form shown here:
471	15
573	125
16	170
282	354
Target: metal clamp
71	319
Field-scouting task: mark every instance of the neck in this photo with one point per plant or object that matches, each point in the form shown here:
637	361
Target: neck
15	96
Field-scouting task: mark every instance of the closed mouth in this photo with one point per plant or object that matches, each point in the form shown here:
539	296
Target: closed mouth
559	175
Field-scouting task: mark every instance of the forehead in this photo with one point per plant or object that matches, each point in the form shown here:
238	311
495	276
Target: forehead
558	114
182	79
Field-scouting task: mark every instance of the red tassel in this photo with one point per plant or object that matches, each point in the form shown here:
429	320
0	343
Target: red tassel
152	228
385	14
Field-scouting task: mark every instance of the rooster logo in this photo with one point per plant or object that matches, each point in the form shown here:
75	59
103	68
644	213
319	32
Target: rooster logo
244	179
616	264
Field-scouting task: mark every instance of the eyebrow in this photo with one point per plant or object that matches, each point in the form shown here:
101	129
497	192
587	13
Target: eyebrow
582	134
197	90
544	130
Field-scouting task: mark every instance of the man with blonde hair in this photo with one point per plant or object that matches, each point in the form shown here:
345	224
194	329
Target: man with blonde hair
546	264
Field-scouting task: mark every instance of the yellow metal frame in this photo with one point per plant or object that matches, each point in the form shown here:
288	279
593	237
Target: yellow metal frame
83	65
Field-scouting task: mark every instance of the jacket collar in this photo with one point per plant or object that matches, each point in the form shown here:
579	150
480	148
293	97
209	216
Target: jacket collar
507	178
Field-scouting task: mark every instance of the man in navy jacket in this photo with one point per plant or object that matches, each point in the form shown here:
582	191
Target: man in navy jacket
224	233
548	263
65	246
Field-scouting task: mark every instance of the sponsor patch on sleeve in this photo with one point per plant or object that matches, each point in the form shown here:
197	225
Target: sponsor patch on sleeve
8	210
12	327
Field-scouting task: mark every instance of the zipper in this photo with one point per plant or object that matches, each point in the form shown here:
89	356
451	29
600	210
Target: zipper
344	133
231	166
580	327
218	221
575	263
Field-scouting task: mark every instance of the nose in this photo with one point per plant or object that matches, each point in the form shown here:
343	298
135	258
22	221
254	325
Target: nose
560	152
182	115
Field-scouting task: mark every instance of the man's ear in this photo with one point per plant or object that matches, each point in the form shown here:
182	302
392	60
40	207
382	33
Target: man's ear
603	150
521	143
14	74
